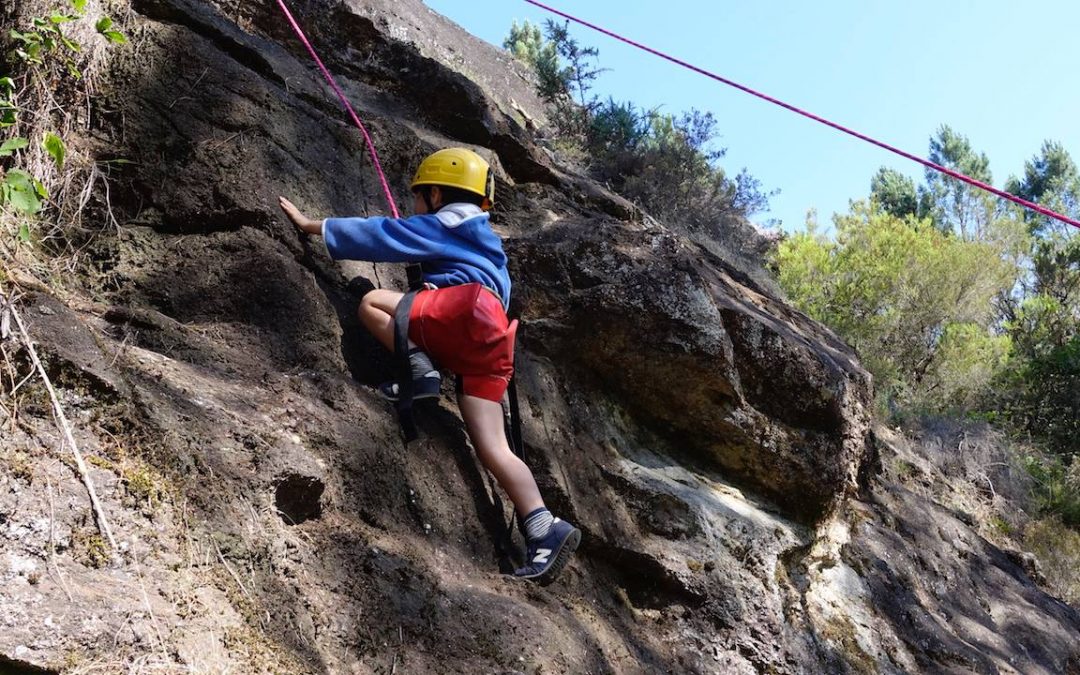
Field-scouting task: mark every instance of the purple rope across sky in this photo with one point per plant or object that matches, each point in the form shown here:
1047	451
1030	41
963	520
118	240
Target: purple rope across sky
863	137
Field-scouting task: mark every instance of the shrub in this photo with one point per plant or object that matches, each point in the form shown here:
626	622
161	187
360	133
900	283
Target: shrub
1057	486
916	303
665	163
43	86
1057	549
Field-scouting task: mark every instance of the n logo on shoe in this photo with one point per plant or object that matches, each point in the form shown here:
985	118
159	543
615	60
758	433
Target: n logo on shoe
542	555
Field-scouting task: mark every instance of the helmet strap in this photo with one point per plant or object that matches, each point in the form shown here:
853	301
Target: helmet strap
425	192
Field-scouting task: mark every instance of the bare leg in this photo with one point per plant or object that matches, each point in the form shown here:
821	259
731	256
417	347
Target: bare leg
484	420
377	314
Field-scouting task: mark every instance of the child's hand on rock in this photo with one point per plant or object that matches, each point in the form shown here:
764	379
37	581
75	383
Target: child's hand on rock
302	222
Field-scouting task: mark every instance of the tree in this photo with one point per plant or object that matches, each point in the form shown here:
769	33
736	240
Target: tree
677	180
953	205
579	74
672	170
1050	179
527	44
1040	393
618	130
562	71
915	302
895	192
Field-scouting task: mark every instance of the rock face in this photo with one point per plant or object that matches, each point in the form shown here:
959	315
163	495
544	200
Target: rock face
713	444
734	380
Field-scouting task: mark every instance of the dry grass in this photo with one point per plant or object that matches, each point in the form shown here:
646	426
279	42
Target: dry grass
142	664
1057	547
972	468
978	471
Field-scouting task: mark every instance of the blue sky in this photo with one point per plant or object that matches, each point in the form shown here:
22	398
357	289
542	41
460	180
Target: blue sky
1003	73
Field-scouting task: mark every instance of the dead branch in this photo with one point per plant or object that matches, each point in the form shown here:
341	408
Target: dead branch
232	573
65	426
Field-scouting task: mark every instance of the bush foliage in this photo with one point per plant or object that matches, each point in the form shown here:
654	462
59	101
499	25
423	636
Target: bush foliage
666	163
958	302
1058	551
916	303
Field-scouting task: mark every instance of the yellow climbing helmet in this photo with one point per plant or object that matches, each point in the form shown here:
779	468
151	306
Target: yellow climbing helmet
458	168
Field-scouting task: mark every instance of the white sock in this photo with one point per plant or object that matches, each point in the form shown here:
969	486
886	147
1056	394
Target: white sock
538	524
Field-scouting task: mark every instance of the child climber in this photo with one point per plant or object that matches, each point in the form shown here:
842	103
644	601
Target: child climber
458	319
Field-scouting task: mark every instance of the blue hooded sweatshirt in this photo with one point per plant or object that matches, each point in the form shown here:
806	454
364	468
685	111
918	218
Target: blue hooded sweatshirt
454	246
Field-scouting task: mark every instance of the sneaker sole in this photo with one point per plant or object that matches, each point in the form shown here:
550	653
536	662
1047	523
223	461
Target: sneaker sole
567	549
416	397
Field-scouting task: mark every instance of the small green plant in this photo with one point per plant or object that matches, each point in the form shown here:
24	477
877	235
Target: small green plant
39	45
8	109
73	658
100	462
906	470
55	147
18	189
104	26
45	39
89	548
144	486
1001	526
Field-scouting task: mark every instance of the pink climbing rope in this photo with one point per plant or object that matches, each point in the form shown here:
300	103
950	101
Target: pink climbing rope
907	155
348	107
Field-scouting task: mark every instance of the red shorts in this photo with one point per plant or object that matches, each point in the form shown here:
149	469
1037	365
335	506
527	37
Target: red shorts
465	330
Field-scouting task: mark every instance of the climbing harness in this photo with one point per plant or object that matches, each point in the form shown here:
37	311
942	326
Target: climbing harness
403	368
907	155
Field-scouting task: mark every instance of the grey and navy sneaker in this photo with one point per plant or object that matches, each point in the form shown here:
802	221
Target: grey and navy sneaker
548	555
427	386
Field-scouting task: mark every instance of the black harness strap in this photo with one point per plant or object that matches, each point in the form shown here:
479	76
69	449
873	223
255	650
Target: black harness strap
509	555
415	275
504	538
404	368
517	444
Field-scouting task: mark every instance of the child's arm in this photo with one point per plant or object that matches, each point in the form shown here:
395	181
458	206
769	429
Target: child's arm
382	239
301	221
376	239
